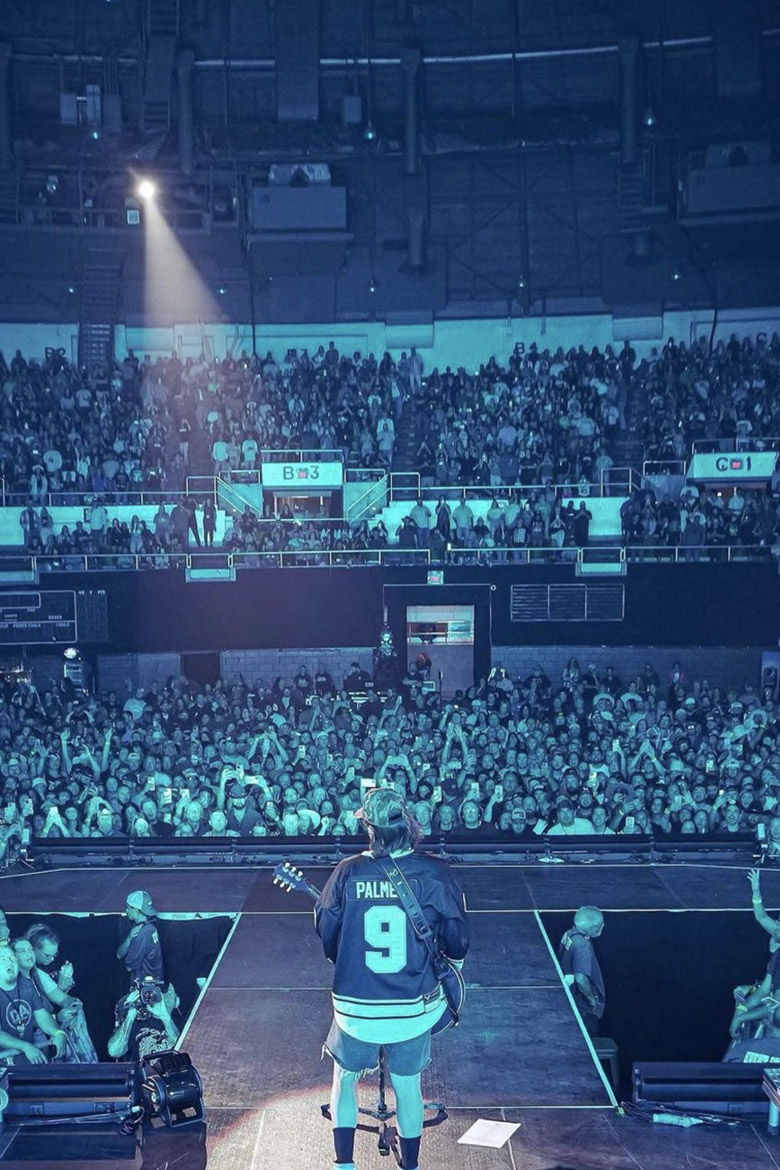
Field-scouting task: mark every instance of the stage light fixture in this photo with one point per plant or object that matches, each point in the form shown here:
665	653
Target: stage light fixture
146	189
369	133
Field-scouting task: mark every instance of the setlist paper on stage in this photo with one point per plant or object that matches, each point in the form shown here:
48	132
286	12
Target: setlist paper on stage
494	1134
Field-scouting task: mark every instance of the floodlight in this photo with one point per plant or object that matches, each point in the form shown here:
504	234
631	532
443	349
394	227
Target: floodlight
146	189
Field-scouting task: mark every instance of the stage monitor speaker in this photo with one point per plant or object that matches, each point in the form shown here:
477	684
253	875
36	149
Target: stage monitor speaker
723	1089
72	1090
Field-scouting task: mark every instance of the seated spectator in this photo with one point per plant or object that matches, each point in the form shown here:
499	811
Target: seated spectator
28	1031
33	953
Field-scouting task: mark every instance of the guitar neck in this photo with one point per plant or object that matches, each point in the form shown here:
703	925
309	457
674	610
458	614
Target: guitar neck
308	888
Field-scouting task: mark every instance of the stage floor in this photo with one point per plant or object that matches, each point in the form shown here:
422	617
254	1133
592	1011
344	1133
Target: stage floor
519	1055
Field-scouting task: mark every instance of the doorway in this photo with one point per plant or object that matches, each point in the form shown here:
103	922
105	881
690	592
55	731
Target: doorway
440	639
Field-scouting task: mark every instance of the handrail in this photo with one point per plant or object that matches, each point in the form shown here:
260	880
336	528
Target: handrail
378	489
334	558
232	498
663	467
486	491
728	443
302	455
693	552
113	499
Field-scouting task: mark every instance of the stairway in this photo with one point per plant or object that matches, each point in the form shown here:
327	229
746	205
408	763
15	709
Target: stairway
631	196
628	447
200	461
406	439
100	277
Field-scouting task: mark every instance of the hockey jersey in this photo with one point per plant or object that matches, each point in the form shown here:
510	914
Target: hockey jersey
384	990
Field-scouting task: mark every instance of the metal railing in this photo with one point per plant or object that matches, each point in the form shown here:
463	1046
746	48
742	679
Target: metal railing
375	496
655	467
32	565
687	553
615	481
195	485
728	443
298	455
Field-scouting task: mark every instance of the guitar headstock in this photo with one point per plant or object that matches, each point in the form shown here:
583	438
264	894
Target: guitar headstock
289	877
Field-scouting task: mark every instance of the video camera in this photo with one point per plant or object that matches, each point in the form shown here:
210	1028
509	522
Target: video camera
150	992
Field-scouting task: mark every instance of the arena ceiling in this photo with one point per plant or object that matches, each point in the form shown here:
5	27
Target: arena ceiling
523	187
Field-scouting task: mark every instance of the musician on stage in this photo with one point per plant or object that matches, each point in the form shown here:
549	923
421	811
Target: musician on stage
385	993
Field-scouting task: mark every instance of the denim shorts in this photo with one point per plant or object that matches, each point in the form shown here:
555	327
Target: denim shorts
406	1058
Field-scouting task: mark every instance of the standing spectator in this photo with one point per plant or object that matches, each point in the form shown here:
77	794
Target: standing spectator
463	518
209	521
98	518
191	505
28	522
580	966
420	516
582	519
415	372
141	949
180	524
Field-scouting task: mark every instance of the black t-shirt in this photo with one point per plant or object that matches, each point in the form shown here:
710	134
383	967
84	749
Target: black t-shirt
577	957
18	1008
144	955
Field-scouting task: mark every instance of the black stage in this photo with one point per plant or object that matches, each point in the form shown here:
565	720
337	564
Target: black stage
520	1054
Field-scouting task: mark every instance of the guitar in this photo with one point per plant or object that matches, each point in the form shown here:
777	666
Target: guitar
449	976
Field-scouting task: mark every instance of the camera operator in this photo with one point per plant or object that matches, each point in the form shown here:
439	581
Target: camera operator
141	949
144	1021
22	1011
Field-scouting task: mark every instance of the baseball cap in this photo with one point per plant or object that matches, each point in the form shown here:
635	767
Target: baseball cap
382	807
141	900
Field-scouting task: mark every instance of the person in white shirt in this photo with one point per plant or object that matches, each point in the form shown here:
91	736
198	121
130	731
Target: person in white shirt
569	824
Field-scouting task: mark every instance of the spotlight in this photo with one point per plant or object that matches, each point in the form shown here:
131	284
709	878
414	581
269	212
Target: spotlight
676	273
146	189
222	290
71	290
369	133
372	286
95	135
521	282
649	118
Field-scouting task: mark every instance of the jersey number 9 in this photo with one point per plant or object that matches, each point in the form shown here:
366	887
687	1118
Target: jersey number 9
384	929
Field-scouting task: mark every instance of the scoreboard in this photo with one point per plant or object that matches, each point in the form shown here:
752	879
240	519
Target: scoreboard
38	617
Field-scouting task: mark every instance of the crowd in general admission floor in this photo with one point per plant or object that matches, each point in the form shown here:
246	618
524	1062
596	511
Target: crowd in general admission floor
589	753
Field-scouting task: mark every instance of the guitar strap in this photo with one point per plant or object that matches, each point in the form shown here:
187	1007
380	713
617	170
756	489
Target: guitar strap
414	913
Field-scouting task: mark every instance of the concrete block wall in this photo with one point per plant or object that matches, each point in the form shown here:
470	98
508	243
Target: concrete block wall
142	670
267	665
722	666
47	669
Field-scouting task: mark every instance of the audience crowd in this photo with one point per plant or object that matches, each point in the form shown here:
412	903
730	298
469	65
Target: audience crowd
696	393
589	753
698	517
540	418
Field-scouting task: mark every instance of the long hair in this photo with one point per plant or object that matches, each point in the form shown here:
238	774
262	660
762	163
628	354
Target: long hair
403	834
39	932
